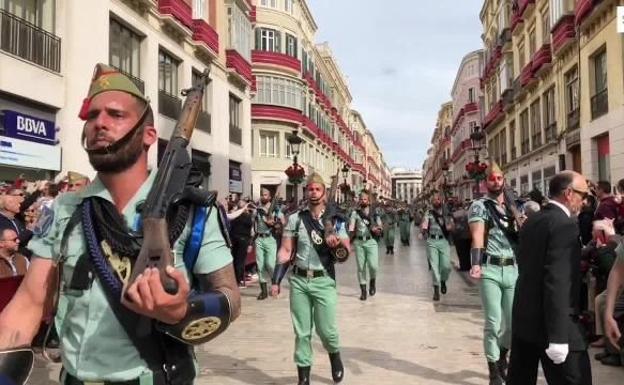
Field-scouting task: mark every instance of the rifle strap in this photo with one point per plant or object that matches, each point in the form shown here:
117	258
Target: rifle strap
436	216
317	237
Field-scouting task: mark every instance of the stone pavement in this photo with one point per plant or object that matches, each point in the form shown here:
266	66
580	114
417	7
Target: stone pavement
397	337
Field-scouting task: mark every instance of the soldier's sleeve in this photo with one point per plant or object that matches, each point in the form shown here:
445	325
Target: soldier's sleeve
214	252
477	212
352	219
46	241
619	252
342	231
289	229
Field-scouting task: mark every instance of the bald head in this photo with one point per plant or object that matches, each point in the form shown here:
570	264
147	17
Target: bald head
570	189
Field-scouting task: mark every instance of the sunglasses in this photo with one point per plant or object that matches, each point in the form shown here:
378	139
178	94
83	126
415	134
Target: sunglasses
17	194
583	194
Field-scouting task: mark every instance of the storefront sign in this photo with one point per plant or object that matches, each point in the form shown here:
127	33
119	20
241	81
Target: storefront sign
21	153
236	183
29	128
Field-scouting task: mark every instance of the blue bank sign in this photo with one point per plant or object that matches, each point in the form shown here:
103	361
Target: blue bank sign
29	128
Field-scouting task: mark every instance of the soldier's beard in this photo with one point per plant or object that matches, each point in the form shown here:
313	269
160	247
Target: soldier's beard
495	191
120	160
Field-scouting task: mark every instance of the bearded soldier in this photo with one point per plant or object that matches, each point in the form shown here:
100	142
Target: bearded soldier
435	228
141	336
266	244
494	239
313	295
366	227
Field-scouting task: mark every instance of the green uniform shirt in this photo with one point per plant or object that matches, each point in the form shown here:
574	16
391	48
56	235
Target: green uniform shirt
307	257
389	218
497	243
261	226
361	228
433	226
94	344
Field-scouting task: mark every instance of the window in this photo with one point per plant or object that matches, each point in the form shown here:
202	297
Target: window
200	9
235	121
240	32
40	13
600	101
550	125
547	176
124	50
524	132
269	3
503	146
532	43
604	162
203	120
268	144
524	184
512	138
279	91
167	73
288	6
572	98
267	40
536	179
536	127
545	27
291	45
470	95
521	55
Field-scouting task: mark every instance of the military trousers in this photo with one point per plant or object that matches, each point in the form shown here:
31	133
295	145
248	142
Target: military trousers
405	228
389	235
266	257
313	304
497	288
439	254
367	255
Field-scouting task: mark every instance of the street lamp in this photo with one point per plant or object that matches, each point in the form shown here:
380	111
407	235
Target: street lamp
476	169
345	186
295	172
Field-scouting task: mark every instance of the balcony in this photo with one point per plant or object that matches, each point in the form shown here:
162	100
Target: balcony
526	147
279	113
541	60
537	140
551	132
582	10
236	135
525	6
495	115
563	34
276	59
505	37
177	14
600	104
526	75
207	37
169	105
573	120
236	62
471	107
29	42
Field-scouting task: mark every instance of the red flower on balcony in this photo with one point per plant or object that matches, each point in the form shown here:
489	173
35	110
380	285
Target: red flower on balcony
476	170
295	173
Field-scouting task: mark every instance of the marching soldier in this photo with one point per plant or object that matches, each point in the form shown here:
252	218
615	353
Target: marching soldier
389	221
366	227
405	221
313	295
435	228
494	238
266	244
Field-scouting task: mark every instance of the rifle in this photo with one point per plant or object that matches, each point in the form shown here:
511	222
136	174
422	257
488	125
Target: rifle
331	214
511	204
374	215
169	189
277	227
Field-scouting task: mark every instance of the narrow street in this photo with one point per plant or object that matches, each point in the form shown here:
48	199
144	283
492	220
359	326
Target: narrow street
397	337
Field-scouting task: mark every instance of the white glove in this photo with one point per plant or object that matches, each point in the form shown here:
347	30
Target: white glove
557	352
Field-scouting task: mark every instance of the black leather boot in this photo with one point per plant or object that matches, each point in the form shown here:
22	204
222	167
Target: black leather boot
304	375
372	290
263	291
363	290
502	363
495	377
337	368
392	250
436	293
443	287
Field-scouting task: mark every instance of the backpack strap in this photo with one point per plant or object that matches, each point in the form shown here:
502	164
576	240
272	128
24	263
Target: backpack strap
191	251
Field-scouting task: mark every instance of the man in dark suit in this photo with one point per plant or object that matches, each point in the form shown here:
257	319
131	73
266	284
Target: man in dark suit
547	300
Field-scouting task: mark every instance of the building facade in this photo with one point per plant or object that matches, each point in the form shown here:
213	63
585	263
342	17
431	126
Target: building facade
300	88
406	184
161	45
466	96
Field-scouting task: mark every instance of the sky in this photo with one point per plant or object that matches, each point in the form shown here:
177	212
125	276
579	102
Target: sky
400	58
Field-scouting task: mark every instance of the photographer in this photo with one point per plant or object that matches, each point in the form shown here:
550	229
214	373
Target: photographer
241	224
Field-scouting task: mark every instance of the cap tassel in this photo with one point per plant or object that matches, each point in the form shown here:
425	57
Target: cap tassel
84	110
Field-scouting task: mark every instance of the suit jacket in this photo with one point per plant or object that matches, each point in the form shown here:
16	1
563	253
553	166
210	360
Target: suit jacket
547	298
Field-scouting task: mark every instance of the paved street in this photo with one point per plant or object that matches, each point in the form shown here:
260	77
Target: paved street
398	337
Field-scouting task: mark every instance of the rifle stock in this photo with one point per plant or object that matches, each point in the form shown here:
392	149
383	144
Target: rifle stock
332	213
168	188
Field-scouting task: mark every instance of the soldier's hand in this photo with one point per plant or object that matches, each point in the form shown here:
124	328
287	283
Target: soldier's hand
612	331
332	240
275	291
475	271
147	296
270	222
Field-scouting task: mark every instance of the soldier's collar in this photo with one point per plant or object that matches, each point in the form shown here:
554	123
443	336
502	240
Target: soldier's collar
97	189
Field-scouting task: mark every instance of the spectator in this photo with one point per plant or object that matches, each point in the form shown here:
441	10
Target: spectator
12	263
607	205
10	213
240	234
531	207
462	237
586	218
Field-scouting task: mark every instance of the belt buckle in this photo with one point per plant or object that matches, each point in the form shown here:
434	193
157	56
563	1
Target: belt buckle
92	383
309	274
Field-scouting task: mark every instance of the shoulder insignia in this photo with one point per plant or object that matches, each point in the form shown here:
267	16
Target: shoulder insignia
44	224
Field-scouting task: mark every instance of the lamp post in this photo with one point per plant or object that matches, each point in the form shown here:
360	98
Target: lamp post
345	185
296	175
476	169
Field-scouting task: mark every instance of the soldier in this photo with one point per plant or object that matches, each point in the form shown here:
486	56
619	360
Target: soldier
266	244
494	238
389	220
105	338
435	228
313	295
405	221
365	227
76	181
